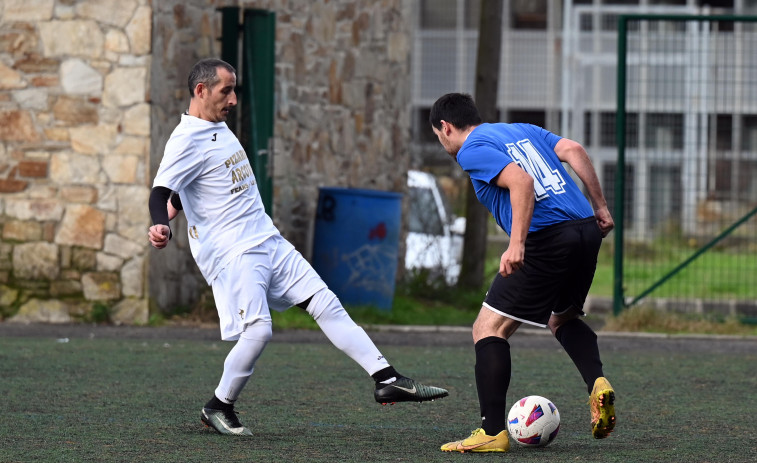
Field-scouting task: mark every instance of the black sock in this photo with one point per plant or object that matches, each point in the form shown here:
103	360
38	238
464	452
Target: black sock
216	404
580	342
387	373
493	369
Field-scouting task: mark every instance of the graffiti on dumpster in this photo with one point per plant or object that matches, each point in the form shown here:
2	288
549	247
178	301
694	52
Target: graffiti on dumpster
368	267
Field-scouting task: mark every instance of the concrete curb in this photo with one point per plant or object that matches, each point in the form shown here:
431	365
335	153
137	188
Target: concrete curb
545	332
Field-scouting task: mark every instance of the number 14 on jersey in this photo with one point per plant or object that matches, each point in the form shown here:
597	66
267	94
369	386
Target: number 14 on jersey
532	161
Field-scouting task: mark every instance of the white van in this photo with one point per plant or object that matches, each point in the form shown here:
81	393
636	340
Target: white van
435	237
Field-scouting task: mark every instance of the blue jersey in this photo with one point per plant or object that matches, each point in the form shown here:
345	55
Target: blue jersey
491	147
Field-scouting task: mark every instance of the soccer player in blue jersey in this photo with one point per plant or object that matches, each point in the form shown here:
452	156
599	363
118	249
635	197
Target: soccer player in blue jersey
546	271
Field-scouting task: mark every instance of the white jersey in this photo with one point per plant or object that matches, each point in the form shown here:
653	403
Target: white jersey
205	163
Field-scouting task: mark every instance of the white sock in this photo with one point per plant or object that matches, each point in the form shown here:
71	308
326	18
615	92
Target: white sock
240	363
344	333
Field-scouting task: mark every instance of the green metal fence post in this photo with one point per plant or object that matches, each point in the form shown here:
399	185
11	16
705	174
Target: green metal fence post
257	95
620	168
230	30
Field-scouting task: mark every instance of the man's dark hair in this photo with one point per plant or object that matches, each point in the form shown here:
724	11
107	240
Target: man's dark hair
206	72
456	108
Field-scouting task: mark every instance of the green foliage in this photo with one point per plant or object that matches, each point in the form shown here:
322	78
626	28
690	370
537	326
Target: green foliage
100	313
156	319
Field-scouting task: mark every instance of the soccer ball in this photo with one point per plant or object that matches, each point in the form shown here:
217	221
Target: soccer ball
533	421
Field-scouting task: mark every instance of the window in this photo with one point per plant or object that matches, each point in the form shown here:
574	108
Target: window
608	131
608	185
749	133
735	179
529	14
422	132
665	193
535	117
664	131
722	127
438	14
442	14
424	215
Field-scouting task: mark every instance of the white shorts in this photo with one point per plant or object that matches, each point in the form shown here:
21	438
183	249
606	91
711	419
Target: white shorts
272	275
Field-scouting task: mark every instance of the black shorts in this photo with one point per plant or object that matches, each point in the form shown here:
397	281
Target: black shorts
556	276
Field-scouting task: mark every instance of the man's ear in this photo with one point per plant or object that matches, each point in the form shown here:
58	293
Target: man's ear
200	89
446	127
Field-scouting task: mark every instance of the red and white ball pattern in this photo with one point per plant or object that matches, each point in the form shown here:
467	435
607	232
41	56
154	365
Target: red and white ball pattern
533	421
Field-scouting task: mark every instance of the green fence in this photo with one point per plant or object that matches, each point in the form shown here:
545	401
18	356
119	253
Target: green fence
685	198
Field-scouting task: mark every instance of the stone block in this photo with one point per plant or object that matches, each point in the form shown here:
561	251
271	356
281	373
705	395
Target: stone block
82	225
75	111
125	87
68	167
91	139
17	125
131	312
119	246
34	209
65	288
78	194
111	12
82	38
10	78
79	78
34	63
101	286
8	295
139	31
132	277
35	261
18	230
83	259
27	10
42	311
36	169
10	185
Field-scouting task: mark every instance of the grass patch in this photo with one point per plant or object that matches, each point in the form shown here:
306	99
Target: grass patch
646	319
717	274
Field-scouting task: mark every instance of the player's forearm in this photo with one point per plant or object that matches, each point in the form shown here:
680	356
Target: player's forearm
591	182
522	202
158	205
578	159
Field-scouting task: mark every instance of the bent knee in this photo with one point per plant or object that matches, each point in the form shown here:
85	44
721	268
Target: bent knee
259	330
489	323
558	320
324	303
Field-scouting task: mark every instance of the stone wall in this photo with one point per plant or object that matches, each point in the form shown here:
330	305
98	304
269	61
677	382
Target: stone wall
89	93
74	148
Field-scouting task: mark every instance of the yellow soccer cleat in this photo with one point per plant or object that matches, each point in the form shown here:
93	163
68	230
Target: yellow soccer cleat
602	403
479	441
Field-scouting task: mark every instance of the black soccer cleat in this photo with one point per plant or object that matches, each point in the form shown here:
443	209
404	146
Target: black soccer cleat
407	390
224	422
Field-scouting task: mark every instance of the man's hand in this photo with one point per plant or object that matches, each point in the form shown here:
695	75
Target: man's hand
158	235
512	259
604	220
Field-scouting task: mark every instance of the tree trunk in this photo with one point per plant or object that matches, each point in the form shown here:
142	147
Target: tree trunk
487	82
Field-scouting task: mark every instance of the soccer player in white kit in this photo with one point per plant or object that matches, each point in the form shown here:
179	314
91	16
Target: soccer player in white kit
242	255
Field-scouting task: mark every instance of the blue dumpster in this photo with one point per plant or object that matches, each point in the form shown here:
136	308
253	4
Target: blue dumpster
355	244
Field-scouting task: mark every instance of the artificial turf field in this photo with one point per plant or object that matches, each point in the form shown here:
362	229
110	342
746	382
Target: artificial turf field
126	399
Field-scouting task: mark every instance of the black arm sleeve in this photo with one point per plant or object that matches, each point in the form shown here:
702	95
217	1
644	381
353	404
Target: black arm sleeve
158	200
176	202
